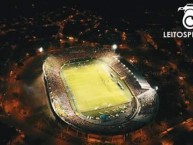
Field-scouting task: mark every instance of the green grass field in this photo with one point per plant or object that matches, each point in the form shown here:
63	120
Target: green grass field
93	87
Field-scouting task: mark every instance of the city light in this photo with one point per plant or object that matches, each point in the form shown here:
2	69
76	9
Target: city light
71	38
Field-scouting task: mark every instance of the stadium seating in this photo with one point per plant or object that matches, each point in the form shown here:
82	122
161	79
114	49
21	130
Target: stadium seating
66	111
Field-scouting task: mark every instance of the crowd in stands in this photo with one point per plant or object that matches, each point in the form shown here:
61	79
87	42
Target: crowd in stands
128	76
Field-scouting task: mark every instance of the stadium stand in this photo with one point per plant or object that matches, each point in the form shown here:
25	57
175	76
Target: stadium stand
130	115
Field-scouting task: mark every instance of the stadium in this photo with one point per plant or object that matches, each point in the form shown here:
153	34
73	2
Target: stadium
95	91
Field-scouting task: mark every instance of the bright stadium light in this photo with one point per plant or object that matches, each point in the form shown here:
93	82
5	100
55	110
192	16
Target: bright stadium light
114	46
41	49
156	88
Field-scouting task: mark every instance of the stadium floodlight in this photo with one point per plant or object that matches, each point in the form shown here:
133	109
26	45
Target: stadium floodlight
156	88
41	49
114	47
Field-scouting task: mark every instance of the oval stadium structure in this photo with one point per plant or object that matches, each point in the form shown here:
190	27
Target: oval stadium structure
96	92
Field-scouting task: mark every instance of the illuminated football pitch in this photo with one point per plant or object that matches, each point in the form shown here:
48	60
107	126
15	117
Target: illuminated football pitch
93	85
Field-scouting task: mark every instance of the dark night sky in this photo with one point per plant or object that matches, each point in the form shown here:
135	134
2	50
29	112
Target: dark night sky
105	8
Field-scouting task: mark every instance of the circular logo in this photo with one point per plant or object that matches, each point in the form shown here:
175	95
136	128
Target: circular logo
188	19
